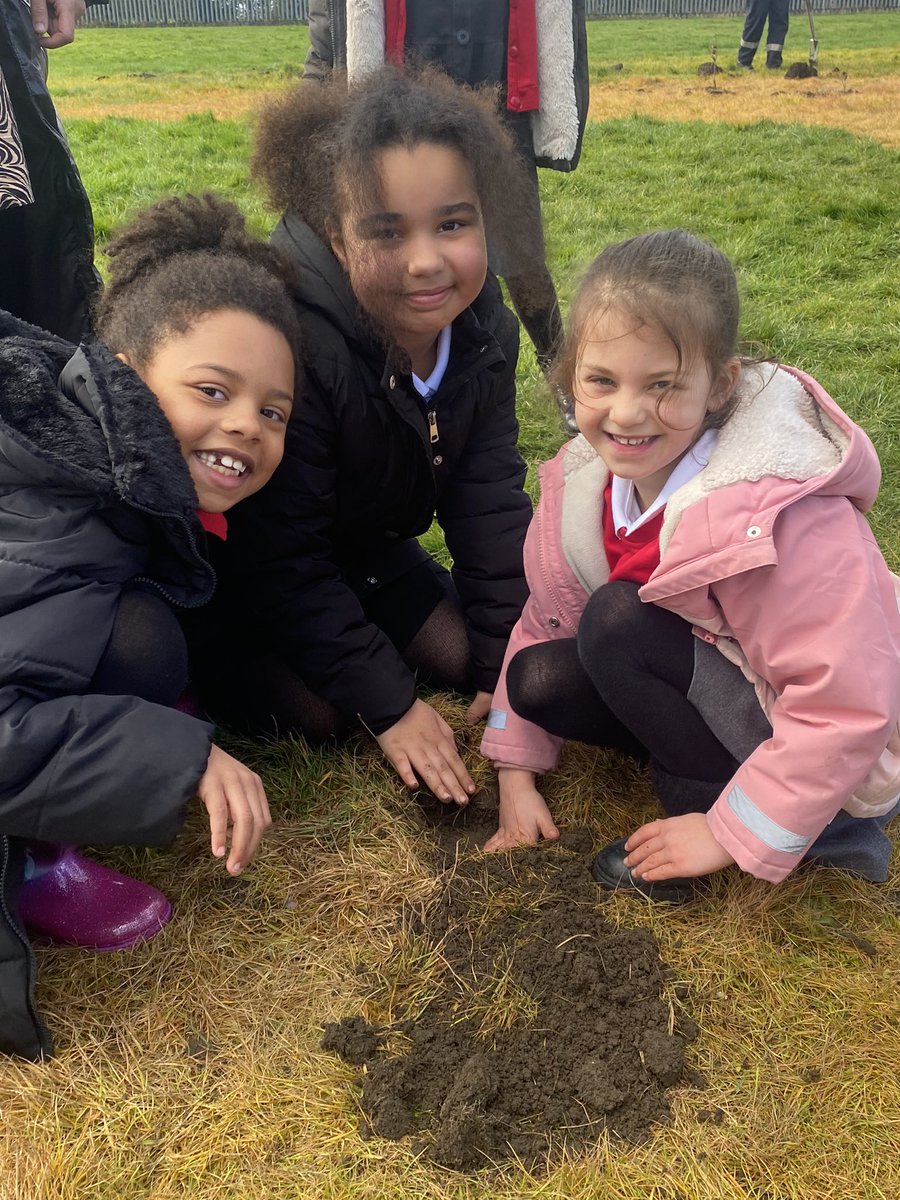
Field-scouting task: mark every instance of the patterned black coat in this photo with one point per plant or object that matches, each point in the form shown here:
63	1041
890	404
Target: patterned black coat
46	246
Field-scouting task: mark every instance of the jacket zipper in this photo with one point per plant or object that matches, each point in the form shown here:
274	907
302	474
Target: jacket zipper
43	1033
433	435
194	547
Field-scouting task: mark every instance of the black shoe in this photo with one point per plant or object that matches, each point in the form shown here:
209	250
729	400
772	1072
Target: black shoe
609	870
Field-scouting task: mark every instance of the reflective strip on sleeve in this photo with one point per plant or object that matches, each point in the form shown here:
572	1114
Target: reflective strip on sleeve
763	827
496	719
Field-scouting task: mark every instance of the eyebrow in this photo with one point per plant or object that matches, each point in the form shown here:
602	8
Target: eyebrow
394	218
587	364
238	378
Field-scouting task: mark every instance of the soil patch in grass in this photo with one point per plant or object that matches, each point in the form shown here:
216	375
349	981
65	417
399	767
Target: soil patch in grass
549	1026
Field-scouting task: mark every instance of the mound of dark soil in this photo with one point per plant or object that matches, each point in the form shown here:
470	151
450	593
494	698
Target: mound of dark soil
549	1026
800	70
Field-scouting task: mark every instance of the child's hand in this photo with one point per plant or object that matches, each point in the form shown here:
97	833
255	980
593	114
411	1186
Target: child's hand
676	847
234	796
479	708
421	746
524	817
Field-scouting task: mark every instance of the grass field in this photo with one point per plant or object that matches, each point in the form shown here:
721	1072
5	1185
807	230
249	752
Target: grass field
190	1066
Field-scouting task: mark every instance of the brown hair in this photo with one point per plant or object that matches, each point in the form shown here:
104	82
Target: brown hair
181	259
317	147
671	281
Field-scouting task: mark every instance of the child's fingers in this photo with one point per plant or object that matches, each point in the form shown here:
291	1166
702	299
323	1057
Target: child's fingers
401	764
446	775
217	809
547	828
241	834
642	835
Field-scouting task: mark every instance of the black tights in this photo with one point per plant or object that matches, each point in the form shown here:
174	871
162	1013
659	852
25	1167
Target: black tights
271	698
623	682
146	655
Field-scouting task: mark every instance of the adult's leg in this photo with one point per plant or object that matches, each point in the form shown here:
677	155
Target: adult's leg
757	15
524	265
779	13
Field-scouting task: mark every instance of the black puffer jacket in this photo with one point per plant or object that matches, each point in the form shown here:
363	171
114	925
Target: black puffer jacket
361	477
94	494
57	228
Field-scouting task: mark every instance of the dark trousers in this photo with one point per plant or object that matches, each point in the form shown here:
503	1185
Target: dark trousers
758	12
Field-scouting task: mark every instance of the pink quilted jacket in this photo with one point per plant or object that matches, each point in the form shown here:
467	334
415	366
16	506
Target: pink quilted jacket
768	555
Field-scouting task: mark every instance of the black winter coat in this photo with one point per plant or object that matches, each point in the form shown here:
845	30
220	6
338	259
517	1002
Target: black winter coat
362	475
94	495
52	239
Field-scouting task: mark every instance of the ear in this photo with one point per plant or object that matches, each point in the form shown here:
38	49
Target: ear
726	383
336	241
125	359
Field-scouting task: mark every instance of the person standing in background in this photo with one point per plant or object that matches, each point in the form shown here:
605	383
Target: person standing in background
758	12
47	275
534	50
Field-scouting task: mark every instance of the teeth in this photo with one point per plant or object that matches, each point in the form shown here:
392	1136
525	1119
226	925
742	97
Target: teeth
623	441
223	463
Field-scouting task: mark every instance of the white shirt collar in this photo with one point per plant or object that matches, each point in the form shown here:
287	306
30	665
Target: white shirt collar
626	509
427	387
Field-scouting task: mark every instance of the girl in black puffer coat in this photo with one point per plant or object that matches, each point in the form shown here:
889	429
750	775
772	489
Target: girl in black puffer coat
390	190
102	469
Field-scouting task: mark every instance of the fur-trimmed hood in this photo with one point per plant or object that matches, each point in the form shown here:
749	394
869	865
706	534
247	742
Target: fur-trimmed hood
785	430
80	419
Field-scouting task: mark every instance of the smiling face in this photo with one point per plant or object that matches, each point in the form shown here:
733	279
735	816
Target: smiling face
639	410
226	387
419	259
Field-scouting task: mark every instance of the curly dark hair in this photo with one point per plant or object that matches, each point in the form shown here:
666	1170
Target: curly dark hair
668	280
317	148
181	259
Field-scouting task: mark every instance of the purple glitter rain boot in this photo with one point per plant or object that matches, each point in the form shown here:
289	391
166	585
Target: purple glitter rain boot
72	900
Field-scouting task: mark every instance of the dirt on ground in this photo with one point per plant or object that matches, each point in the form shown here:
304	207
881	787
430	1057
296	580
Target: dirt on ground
548	1026
867	106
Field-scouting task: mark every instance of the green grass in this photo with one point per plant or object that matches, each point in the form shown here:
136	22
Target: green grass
807	215
799	1026
864	43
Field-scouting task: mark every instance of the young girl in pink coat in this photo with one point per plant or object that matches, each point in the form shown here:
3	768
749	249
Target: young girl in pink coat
705	593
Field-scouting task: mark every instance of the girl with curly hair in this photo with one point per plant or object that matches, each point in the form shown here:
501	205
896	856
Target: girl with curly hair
114	457
391	189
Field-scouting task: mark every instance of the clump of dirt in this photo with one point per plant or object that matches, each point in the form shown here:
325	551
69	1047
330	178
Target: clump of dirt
801	70
549	1026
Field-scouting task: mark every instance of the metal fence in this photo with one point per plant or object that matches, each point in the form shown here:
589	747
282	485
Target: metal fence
292	12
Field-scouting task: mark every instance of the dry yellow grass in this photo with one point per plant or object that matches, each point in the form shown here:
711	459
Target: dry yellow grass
191	1067
869	107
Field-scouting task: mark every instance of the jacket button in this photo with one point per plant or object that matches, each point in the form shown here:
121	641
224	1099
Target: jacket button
462	36
371	580
754	531
438	459
515	103
392	382
553	622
